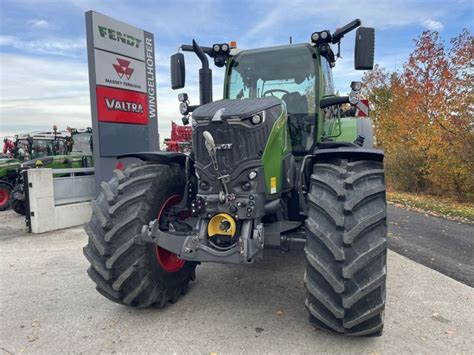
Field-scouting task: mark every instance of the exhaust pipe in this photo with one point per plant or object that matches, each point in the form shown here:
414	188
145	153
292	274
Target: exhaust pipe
205	76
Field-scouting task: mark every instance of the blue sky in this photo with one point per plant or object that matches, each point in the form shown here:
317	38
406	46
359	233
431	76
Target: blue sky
43	61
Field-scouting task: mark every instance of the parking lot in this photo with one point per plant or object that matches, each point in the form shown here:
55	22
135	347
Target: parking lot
49	304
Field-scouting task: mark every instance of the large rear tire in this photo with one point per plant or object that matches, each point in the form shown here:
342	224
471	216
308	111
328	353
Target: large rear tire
346	248
124	271
5	196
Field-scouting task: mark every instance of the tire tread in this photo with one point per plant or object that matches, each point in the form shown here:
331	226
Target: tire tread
346	246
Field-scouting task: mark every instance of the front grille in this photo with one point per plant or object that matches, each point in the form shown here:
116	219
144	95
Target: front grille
248	143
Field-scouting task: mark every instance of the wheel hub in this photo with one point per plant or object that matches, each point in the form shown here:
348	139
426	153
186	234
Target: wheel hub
169	261
4	196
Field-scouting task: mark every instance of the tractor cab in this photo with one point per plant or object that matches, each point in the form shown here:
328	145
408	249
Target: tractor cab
300	75
40	144
285	72
80	142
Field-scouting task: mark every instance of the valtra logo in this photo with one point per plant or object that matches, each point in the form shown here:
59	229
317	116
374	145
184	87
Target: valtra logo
121	106
123	68
124	106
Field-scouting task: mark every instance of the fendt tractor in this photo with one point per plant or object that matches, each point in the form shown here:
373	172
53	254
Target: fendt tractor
24	147
272	163
58	150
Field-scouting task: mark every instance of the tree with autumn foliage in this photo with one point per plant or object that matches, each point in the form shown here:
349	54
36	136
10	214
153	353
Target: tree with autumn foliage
423	117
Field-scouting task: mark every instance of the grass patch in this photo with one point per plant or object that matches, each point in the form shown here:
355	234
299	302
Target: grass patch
435	205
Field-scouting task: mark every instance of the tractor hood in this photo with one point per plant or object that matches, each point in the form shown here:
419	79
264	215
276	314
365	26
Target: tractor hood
248	135
234	109
32	162
7	162
8	166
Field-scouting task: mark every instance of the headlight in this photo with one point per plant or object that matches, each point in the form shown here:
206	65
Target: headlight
256	119
182	96
252	175
183	108
225	47
315	36
353	99
324	35
216	48
356	85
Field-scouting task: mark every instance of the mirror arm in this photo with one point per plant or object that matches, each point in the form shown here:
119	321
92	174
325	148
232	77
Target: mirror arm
339	33
190	48
192	108
334	100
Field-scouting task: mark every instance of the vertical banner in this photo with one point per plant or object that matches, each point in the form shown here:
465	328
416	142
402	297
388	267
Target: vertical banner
122	87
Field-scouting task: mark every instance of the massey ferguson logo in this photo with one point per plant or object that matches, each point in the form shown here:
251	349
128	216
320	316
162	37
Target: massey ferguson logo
124	106
123	68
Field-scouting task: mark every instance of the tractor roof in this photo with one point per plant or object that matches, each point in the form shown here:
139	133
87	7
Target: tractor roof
270	60
44	135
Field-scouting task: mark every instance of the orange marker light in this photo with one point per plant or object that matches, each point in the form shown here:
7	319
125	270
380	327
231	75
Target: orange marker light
233	44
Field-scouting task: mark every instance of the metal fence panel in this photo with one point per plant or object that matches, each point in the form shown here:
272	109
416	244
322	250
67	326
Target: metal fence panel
73	185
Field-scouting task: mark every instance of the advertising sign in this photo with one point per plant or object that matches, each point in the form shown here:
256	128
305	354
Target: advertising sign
118	37
120	72
120	106
122	90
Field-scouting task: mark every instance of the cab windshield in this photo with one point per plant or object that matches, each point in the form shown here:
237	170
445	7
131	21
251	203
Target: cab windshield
42	148
286	72
81	143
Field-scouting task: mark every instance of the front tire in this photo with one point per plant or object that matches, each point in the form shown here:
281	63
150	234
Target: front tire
346	248
18	205
124	271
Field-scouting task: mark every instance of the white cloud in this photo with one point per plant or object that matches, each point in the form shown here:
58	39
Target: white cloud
331	14
27	78
169	18
432	25
37	93
6	40
39	23
53	46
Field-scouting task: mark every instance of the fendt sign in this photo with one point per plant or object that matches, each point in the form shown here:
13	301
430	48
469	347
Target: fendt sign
122	89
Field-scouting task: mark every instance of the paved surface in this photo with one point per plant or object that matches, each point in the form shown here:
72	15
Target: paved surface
47	303
443	245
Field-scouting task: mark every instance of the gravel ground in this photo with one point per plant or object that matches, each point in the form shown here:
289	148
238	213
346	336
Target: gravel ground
48	304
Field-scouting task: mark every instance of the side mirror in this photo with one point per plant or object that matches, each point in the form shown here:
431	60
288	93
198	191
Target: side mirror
364	48
178	71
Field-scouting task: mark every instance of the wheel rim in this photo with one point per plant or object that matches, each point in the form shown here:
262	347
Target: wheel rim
4	196
169	261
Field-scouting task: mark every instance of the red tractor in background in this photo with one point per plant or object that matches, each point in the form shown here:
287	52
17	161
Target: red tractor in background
180	140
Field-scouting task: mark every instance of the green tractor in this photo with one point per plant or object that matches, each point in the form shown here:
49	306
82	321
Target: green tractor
57	150
8	175
274	162
21	149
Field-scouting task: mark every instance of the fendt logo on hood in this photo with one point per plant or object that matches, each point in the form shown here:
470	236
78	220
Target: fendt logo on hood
123	68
